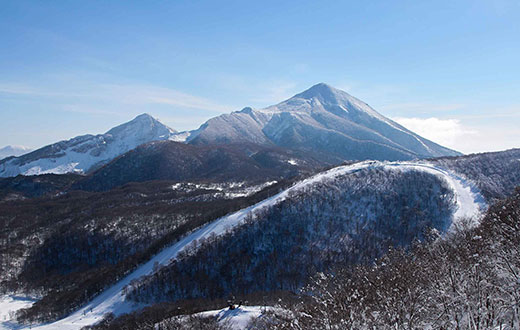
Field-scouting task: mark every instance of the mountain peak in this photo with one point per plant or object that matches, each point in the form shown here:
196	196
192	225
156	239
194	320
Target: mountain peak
144	116
248	110
322	91
321	86
86	152
141	124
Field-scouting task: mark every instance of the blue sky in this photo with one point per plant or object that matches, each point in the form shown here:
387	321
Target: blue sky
449	70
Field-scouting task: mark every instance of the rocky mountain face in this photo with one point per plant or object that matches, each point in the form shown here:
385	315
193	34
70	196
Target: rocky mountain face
84	153
324	119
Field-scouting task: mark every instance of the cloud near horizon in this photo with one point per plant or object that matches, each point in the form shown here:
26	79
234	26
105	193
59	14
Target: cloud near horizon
446	132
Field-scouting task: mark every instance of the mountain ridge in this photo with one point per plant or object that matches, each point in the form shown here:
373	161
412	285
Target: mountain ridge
86	152
321	119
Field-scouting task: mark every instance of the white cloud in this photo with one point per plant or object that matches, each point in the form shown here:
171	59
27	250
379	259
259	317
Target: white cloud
490	138
455	134
446	132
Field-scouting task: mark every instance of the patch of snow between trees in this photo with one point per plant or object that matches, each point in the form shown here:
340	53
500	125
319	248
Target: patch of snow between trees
239	318
8	306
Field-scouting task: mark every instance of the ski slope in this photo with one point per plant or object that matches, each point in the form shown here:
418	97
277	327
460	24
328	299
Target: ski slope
469	204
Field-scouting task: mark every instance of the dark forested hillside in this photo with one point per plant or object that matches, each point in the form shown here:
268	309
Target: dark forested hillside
68	245
468	281
168	160
352	219
21	187
68	248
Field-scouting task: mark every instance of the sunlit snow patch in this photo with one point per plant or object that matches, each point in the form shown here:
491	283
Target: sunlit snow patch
236	319
8	306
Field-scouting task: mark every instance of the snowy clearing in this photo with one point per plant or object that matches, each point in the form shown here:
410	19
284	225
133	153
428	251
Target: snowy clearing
10	304
469	203
238	318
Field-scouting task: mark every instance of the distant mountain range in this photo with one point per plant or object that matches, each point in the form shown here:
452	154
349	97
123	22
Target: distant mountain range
322	121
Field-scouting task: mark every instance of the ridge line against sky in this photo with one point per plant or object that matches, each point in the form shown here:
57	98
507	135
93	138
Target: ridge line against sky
447	70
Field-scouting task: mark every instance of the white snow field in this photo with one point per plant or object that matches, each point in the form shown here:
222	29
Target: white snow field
238	318
469	203
10	304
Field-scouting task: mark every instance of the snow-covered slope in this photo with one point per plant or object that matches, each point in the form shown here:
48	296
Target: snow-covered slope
321	119
239	318
469	204
9	151
83	153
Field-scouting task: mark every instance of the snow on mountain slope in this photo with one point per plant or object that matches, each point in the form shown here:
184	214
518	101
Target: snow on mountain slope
469	204
323	119
9	151
238	318
83	153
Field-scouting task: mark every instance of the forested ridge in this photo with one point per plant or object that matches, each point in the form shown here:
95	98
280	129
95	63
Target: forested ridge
495	173
69	248
349	220
466	280
469	280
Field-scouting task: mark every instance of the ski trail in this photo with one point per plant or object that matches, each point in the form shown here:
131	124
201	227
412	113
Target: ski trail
469	204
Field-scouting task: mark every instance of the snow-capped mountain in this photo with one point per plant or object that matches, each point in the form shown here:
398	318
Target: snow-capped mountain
9	151
322	119
86	152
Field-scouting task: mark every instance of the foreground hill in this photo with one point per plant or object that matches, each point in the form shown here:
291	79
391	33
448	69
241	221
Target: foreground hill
67	248
467	281
70	247
428	197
